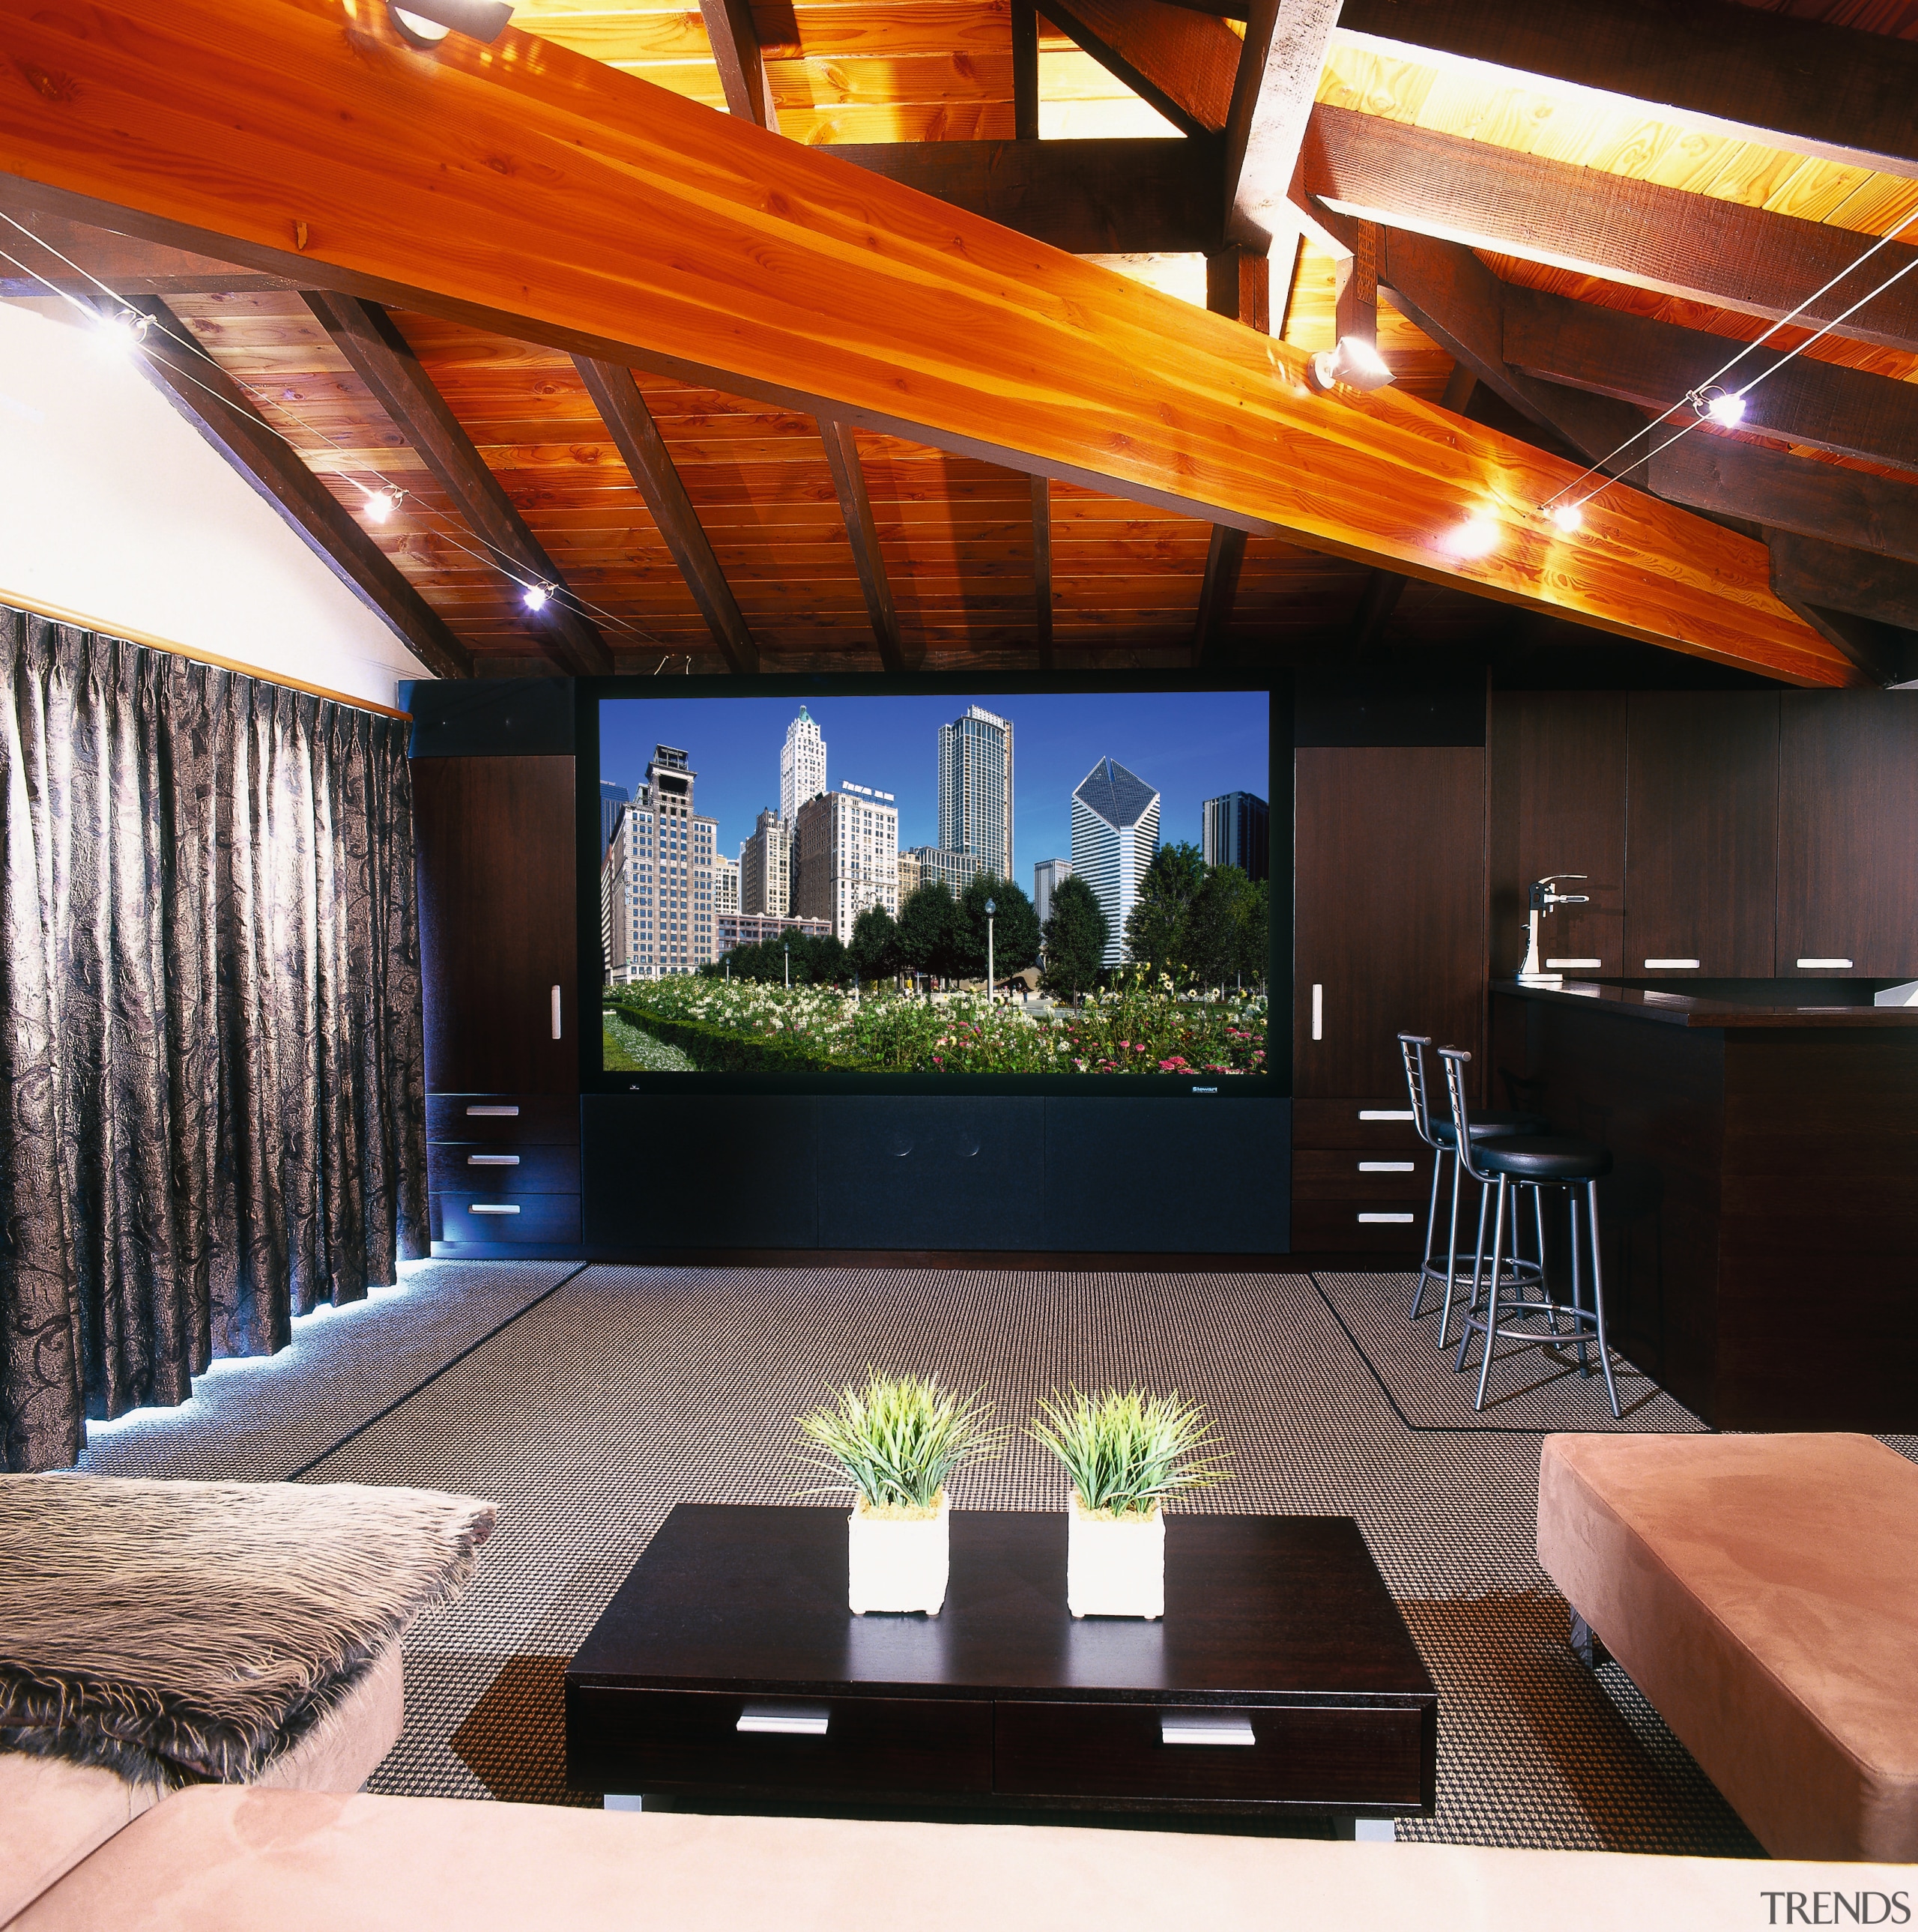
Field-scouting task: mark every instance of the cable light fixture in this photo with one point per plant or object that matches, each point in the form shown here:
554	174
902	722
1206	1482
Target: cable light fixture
1352	361
425	23
129	329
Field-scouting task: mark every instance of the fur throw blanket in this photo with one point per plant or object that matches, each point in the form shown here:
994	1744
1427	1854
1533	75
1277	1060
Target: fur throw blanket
188	1633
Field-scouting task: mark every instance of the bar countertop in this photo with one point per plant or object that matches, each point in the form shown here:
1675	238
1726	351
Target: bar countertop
1687	1009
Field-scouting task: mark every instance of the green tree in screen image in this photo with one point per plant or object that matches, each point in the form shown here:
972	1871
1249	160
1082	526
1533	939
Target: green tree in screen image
927	921
1015	928
1076	935
1160	933
875	944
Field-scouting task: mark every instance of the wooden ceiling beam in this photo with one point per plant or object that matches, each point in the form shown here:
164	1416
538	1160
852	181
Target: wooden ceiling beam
129	266
1885	654
1383	590
1218	592
383	360
862	533
1656	364
1808	569
203	393
1025	72
1183	63
1637	232
1838	92
1042	568
1726	475
643	450
1123	197
1276	79
612	218
736	53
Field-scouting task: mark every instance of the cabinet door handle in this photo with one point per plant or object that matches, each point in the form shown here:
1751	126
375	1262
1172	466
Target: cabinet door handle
790	1721
509	1113
1833	965
492	1160
1318	1013
1386	1167
1391	1220
1385	1113
500	1207
1655	965
1205	1727
556	1012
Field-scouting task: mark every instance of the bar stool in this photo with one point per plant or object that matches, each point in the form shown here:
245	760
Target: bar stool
1537	1161
1440	1137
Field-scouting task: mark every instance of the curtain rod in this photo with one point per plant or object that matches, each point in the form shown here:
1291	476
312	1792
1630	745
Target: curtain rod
35	608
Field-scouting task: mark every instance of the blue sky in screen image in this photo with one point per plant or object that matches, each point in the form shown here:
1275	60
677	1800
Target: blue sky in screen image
1190	746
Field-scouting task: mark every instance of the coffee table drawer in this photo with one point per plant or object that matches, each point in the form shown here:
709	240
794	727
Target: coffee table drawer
1318	1755
634	1740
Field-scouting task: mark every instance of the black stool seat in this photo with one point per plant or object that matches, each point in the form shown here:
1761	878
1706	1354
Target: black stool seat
1488	1127
1542	1157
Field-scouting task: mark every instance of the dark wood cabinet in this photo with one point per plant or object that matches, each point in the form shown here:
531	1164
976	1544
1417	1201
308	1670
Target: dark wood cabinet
1702	833
1389	906
1556	771
1389	902
499	951
1848	889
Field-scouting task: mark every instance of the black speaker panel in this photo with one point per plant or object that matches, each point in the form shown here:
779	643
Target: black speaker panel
930	1172
1168	1176
708	1170
490	717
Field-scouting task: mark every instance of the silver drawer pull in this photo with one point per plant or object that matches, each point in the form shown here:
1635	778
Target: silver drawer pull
1386	1166
1829	965
1385	1113
507	1113
1552	965
790	1720
492	1160
1205	1727
1393	1219
1686	965
501	1207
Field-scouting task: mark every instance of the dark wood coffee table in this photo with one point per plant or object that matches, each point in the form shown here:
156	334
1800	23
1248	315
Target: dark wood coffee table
728	1667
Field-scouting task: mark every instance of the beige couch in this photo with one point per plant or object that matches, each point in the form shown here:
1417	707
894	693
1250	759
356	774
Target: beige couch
1762	1591
53	1814
222	1859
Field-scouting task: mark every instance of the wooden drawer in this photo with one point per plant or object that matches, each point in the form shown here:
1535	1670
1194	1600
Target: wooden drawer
531	1120
1343	1124
543	1219
623	1739
1360	1175
1332	1226
489	1167
1315	1756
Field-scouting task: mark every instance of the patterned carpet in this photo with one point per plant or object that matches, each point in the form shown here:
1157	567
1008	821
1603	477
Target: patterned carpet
1531	1389
625	1391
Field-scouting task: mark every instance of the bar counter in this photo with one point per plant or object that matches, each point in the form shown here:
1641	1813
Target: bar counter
1760	1224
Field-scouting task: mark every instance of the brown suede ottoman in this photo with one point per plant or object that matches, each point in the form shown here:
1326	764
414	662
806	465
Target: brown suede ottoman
1762	1591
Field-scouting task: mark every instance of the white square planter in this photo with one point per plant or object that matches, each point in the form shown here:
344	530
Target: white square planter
1115	1566
897	1563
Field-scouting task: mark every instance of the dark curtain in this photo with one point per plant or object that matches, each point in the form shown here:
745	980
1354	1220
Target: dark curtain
210	1028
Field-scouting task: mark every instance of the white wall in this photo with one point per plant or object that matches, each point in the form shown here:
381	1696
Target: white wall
113	507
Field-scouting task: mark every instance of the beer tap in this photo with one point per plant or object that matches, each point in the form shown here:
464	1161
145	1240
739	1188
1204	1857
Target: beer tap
1541	896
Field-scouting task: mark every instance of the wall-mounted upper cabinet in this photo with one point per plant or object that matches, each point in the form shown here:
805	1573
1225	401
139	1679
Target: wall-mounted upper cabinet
1847	828
1702	833
1556	768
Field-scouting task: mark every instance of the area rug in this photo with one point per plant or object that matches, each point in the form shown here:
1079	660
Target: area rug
1533	1391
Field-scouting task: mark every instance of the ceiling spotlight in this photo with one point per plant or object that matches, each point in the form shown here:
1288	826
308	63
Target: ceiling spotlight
1354	362
1477	536
1723	406
1567	516
128	330
380	504
536	596
427	22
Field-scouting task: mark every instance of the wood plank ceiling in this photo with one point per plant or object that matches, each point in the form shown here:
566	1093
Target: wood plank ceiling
1113	582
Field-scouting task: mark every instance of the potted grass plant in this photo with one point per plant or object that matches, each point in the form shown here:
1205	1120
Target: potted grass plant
894	1443
1125	1452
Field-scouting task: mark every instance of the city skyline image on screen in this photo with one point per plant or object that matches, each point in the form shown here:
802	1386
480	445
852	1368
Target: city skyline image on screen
1050	884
